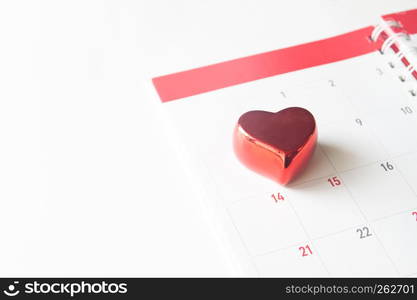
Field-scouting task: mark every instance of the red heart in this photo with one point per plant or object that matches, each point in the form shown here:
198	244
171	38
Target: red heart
276	145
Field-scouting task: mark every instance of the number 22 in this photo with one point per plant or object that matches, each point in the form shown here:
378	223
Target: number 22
363	232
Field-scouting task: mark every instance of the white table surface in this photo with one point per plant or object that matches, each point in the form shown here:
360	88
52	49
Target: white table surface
89	185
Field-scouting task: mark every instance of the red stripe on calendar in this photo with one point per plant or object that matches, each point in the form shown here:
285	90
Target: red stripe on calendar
407	19
229	73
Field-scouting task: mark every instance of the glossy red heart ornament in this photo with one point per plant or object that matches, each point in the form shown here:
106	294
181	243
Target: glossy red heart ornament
276	145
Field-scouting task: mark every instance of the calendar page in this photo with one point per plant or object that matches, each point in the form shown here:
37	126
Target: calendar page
353	211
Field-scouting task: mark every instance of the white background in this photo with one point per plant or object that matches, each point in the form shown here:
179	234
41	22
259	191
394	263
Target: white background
89	185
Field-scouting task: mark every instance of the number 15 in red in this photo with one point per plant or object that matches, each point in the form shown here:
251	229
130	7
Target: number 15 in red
334	181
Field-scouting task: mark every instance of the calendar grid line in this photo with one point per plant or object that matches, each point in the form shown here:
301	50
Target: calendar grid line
347	170
406	181
243	242
310	181
313	239
379	160
339	231
293	185
240	199
369	129
210	176
309	237
392	215
239	234
290	186
278	249
333	233
389	157
365	218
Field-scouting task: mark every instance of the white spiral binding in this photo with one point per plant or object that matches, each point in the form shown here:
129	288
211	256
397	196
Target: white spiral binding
379	29
397	38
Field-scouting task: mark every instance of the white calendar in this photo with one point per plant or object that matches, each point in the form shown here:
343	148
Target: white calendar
353	211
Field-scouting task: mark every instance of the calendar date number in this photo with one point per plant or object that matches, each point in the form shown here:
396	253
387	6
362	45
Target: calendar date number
363	232
387	166
305	250
406	110
277	197
334	181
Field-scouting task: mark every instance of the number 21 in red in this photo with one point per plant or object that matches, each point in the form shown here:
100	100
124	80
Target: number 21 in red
305	251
